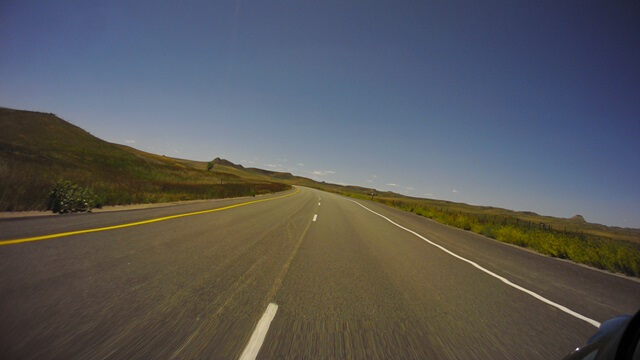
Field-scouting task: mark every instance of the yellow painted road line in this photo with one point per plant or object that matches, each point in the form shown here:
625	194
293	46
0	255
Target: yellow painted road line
144	222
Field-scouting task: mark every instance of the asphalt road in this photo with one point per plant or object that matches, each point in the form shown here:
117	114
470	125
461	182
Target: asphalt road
347	284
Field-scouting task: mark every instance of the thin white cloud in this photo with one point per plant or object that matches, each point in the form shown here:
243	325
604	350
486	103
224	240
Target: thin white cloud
408	188
369	181
374	176
300	164
130	141
273	165
392	184
454	191
322	172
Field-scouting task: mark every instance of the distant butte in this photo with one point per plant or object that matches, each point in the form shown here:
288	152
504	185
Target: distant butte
578	218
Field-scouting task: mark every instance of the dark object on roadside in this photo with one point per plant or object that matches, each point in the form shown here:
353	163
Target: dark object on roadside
617	338
68	197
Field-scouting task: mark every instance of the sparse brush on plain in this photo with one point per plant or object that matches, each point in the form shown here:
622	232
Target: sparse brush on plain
600	252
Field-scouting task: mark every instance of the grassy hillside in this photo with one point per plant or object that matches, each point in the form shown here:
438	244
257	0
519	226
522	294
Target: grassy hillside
38	149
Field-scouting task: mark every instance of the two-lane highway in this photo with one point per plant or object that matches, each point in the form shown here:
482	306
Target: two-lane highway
190	287
304	274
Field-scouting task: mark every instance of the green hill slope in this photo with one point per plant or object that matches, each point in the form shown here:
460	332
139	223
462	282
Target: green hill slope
38	149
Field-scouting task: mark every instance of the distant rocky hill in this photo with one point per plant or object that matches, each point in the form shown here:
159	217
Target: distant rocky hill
578	218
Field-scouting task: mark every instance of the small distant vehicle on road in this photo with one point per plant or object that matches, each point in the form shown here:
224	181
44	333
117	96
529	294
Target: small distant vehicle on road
617	338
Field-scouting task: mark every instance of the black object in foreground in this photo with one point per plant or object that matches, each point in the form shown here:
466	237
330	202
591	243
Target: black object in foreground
617	338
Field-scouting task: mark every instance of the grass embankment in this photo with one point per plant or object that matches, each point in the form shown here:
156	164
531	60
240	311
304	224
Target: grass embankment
597	251
38	149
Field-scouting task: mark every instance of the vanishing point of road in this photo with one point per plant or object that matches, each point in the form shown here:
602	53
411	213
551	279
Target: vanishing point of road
302	275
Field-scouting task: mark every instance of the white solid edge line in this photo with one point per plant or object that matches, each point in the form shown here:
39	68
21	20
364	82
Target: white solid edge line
257	338
315	217
504	280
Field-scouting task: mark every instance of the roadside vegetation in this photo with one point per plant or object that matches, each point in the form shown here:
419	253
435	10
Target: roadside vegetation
597	251
68	197
45	160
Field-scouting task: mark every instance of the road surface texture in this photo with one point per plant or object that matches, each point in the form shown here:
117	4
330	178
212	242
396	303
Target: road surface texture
303	274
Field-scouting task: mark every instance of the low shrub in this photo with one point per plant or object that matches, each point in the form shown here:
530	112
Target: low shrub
68	197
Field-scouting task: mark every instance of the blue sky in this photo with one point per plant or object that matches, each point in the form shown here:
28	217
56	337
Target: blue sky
529	106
